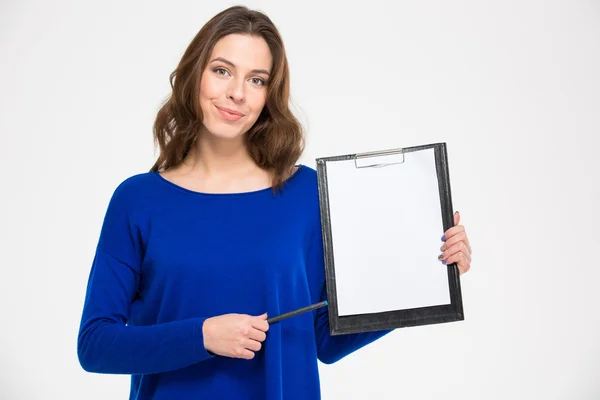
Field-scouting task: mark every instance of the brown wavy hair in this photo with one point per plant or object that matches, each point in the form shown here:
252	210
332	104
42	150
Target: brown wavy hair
275	141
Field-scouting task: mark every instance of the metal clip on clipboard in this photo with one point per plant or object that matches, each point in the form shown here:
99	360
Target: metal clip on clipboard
379	154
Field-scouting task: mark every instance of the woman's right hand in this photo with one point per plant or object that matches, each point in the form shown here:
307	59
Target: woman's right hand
235	335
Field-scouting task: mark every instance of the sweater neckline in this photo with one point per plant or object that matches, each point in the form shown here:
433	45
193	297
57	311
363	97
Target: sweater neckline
231	194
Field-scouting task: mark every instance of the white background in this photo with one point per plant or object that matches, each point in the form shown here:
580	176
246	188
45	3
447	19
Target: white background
512	87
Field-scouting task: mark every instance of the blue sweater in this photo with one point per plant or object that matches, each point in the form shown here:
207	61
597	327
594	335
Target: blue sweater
168	258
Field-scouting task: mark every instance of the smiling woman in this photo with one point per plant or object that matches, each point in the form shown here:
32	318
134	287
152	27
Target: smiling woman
232	91
238	66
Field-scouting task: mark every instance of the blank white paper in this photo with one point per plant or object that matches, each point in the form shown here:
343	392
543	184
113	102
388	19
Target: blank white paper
386	227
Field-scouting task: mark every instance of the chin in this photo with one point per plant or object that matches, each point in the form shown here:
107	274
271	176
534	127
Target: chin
224	132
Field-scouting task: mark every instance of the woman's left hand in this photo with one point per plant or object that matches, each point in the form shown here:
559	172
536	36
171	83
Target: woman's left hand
456	247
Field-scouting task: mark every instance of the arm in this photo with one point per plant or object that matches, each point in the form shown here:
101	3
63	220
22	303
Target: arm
105	343
331	348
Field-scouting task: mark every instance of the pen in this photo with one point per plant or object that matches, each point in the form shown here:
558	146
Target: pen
296	312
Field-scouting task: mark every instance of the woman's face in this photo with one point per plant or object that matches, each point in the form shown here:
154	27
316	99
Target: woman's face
233	87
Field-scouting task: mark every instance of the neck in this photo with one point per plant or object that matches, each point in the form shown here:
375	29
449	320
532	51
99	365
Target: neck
217	157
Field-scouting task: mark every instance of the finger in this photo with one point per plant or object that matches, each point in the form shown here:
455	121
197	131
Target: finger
252	345
462	268
452	231
458	248
451	256
461	235
460	258
257	335
455	239
260	323
456	218
456	243
244	353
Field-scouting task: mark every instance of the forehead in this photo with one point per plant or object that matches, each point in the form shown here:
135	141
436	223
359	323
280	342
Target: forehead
245	51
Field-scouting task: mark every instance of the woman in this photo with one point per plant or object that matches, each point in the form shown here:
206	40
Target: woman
222	231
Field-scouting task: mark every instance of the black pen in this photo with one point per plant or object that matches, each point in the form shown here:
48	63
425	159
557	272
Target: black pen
296	312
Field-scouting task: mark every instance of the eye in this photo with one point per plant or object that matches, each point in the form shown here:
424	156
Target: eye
258	81
218	71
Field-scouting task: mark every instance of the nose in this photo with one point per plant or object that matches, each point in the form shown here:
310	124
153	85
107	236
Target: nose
235	90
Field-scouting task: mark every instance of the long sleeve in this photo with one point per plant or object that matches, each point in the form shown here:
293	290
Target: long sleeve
332	348
106	344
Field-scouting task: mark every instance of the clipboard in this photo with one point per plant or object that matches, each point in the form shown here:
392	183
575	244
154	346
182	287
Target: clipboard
383	215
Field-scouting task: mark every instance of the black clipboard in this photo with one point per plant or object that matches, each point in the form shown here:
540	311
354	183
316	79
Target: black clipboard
373	163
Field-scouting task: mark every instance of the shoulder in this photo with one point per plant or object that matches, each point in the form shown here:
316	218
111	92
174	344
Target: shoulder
306	175
301	193
304	181
308	171
135	186
133	192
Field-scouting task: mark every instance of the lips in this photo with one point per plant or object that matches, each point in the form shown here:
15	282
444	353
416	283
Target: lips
230	111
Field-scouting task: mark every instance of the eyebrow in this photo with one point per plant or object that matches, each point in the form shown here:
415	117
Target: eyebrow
232	65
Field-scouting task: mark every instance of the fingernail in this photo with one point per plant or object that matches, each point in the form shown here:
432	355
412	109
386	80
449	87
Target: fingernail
444	238
456	212
444	262
443	247
441	256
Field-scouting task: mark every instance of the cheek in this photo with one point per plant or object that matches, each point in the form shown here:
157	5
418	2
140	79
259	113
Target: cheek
209	90
258	103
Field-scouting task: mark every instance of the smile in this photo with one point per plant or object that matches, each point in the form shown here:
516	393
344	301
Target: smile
229	115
